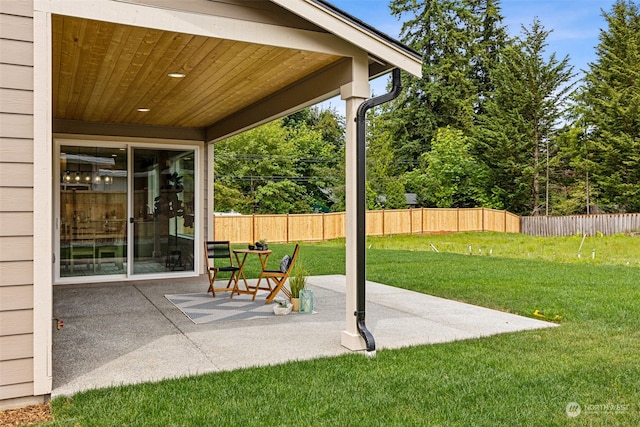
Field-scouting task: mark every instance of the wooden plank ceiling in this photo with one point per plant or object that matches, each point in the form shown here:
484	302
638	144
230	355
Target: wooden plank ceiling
105	72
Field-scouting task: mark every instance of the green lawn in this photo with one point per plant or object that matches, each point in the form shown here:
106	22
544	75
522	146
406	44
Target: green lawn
525	378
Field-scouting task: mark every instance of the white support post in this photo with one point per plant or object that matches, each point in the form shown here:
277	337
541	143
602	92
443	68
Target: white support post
209	177
43	229
354	93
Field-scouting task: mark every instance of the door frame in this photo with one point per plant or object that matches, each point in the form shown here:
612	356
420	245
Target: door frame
129	144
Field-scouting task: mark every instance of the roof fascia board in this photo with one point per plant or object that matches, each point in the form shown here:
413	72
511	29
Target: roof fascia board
355	34
123	12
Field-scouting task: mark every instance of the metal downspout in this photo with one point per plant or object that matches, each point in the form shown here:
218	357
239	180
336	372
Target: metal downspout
361	199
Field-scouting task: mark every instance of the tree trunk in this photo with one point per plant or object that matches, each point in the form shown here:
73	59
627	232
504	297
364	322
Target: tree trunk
536	173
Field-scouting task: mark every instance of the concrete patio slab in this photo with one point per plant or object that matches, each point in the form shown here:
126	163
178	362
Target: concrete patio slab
130	333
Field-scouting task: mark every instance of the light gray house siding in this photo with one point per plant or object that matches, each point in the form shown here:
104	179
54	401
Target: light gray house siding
16	199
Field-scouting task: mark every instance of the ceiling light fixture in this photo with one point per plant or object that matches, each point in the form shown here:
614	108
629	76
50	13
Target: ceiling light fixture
144	110
176	75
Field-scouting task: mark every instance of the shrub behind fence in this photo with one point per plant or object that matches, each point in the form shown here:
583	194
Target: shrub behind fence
318	227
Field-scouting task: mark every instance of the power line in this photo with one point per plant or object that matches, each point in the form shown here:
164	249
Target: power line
276	178
275	157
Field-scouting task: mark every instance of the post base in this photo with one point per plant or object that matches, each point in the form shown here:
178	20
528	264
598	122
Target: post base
352	342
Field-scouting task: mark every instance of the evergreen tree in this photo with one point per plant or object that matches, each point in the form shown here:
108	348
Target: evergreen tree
572	191
491	39
382	169
331	125
459	41
395	197
609	104
515	138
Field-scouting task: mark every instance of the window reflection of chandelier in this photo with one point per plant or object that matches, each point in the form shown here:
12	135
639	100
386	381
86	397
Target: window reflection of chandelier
78	177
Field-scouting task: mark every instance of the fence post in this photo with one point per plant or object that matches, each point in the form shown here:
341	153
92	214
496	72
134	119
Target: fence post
505	220
410	220
253	228
383	233
213	232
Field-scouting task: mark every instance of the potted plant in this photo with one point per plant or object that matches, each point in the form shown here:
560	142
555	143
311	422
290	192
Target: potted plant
297	283
282	307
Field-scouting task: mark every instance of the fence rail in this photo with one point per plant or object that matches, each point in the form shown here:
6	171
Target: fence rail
591	225
318	227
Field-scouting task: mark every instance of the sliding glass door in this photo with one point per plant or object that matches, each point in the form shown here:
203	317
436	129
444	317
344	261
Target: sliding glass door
93	211
125	211
163	207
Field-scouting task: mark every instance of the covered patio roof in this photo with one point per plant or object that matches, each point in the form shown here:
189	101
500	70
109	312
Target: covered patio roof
235	64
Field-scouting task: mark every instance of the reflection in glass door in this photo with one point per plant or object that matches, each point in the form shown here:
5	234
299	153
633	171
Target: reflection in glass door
163	210
93	211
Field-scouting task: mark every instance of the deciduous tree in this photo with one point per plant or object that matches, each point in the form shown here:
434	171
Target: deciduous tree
452	177
291	165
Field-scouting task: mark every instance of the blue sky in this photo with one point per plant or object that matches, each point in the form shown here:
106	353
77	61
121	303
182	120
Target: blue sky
576	24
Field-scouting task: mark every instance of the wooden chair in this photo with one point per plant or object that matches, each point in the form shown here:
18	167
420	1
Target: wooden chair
279	277
218	259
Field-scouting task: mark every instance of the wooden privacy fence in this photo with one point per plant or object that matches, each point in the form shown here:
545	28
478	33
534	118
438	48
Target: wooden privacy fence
318	227
607	224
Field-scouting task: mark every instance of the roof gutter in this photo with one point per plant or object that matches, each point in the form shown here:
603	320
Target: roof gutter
361	200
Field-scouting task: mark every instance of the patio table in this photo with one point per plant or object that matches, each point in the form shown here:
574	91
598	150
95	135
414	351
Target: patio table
241	257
